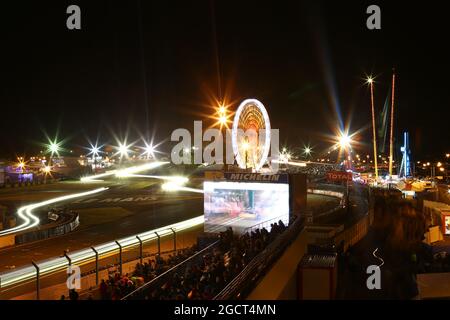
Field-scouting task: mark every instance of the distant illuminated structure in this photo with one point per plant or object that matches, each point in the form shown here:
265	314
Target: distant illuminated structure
391	134
405	166
250	149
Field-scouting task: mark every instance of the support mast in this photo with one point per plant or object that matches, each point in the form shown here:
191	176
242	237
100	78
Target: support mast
374	131
391	136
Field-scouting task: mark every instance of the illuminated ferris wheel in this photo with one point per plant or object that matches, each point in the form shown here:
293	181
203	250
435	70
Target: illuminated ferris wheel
251	134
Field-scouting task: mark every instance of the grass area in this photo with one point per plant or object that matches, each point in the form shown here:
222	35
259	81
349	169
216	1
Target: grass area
94	216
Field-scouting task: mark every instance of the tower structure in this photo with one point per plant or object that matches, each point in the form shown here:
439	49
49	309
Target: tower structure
405	166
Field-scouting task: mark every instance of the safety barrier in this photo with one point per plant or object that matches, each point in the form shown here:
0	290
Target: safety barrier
94	254
355	233
51	230
27	184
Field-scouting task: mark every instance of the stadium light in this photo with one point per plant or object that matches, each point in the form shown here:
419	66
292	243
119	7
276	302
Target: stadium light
123	149
94	150
149	150
223	120
307	150
54	148
344	141
222	116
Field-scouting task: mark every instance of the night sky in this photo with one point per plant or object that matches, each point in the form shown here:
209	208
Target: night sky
302	59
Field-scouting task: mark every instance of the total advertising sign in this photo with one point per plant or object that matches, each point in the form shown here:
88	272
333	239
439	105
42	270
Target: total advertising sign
337	176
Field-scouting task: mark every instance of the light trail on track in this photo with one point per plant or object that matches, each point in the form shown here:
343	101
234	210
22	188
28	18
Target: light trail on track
18	276
124	172
30	220
25	213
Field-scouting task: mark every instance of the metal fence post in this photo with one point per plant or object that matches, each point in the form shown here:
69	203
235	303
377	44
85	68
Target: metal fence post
174	240
120	257
37	279
140	249
96	265
68	258
159	243
70	263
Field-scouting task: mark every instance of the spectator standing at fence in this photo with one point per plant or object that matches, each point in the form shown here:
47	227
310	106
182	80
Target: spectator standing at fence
73	294
103	290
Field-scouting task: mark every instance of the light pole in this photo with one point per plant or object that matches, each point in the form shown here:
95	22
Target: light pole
344	143
307	152
391	135
370	82
94	150
53	148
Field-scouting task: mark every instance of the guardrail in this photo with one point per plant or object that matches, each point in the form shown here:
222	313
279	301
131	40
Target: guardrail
245	281
93	254
50	230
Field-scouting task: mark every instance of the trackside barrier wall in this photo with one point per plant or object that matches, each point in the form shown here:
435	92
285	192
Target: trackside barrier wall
49	232
87	256
356	232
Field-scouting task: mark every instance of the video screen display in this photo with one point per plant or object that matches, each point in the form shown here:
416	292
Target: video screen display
447	225
243	205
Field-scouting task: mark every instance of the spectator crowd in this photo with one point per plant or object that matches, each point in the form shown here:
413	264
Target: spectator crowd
198	275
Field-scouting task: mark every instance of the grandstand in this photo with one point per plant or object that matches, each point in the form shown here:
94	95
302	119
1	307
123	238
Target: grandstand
192	273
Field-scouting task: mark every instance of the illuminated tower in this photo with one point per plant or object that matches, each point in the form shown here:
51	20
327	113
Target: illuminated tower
405	166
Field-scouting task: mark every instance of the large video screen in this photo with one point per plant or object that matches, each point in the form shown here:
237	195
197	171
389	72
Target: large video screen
243	205
447	225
